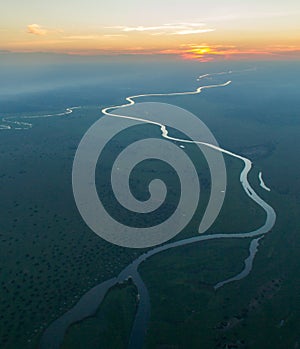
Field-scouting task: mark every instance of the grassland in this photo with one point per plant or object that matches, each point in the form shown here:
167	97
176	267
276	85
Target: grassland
49	258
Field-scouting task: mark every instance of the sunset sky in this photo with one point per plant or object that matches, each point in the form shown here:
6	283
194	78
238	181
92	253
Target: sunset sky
204	30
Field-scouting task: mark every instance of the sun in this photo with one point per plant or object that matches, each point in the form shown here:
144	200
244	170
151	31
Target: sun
201	50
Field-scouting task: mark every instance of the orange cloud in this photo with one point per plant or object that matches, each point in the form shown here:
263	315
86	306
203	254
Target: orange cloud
202	53
36	29
206	53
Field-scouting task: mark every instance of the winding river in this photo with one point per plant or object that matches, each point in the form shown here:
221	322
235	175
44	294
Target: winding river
10	122
89	303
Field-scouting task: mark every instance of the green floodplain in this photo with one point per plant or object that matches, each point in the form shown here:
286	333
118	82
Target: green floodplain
50	258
